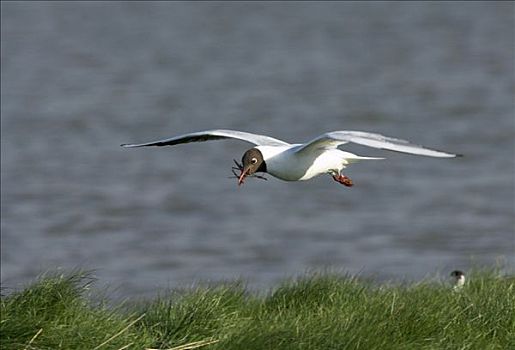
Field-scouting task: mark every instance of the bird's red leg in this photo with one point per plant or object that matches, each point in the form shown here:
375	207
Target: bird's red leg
344	180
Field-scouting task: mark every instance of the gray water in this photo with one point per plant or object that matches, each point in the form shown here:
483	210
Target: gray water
78	79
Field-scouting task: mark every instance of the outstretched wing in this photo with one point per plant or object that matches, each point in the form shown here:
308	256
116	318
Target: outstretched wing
335	138
208	135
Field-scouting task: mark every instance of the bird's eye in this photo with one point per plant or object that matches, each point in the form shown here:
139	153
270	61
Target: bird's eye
253	160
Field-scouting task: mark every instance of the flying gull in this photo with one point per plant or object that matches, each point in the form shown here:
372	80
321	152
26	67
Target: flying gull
300	161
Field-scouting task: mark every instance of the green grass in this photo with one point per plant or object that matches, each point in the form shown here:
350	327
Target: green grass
318	311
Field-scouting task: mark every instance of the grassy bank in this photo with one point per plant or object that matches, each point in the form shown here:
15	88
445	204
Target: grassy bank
319	311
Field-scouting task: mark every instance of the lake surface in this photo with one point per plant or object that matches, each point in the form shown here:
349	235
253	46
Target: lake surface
80	79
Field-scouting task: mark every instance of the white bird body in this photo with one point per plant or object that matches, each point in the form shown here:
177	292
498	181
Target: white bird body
285	163
299	162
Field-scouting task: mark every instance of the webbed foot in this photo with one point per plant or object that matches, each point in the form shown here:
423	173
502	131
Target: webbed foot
344	180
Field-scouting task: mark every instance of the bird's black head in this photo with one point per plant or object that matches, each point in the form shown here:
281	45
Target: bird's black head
252	162
457	274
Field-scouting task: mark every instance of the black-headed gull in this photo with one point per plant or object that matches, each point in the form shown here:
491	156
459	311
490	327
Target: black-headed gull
299	162
458	279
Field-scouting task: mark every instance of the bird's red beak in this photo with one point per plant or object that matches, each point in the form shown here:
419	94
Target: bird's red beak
243	174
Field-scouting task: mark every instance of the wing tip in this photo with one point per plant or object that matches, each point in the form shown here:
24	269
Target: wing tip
450	155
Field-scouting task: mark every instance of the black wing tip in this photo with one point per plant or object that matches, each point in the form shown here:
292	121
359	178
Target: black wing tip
449	155
137	145
453	155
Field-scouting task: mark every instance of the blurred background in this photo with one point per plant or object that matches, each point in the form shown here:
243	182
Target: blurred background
79	79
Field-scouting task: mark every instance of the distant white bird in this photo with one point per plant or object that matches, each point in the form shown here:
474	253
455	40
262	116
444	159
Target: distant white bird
299	162
458	279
